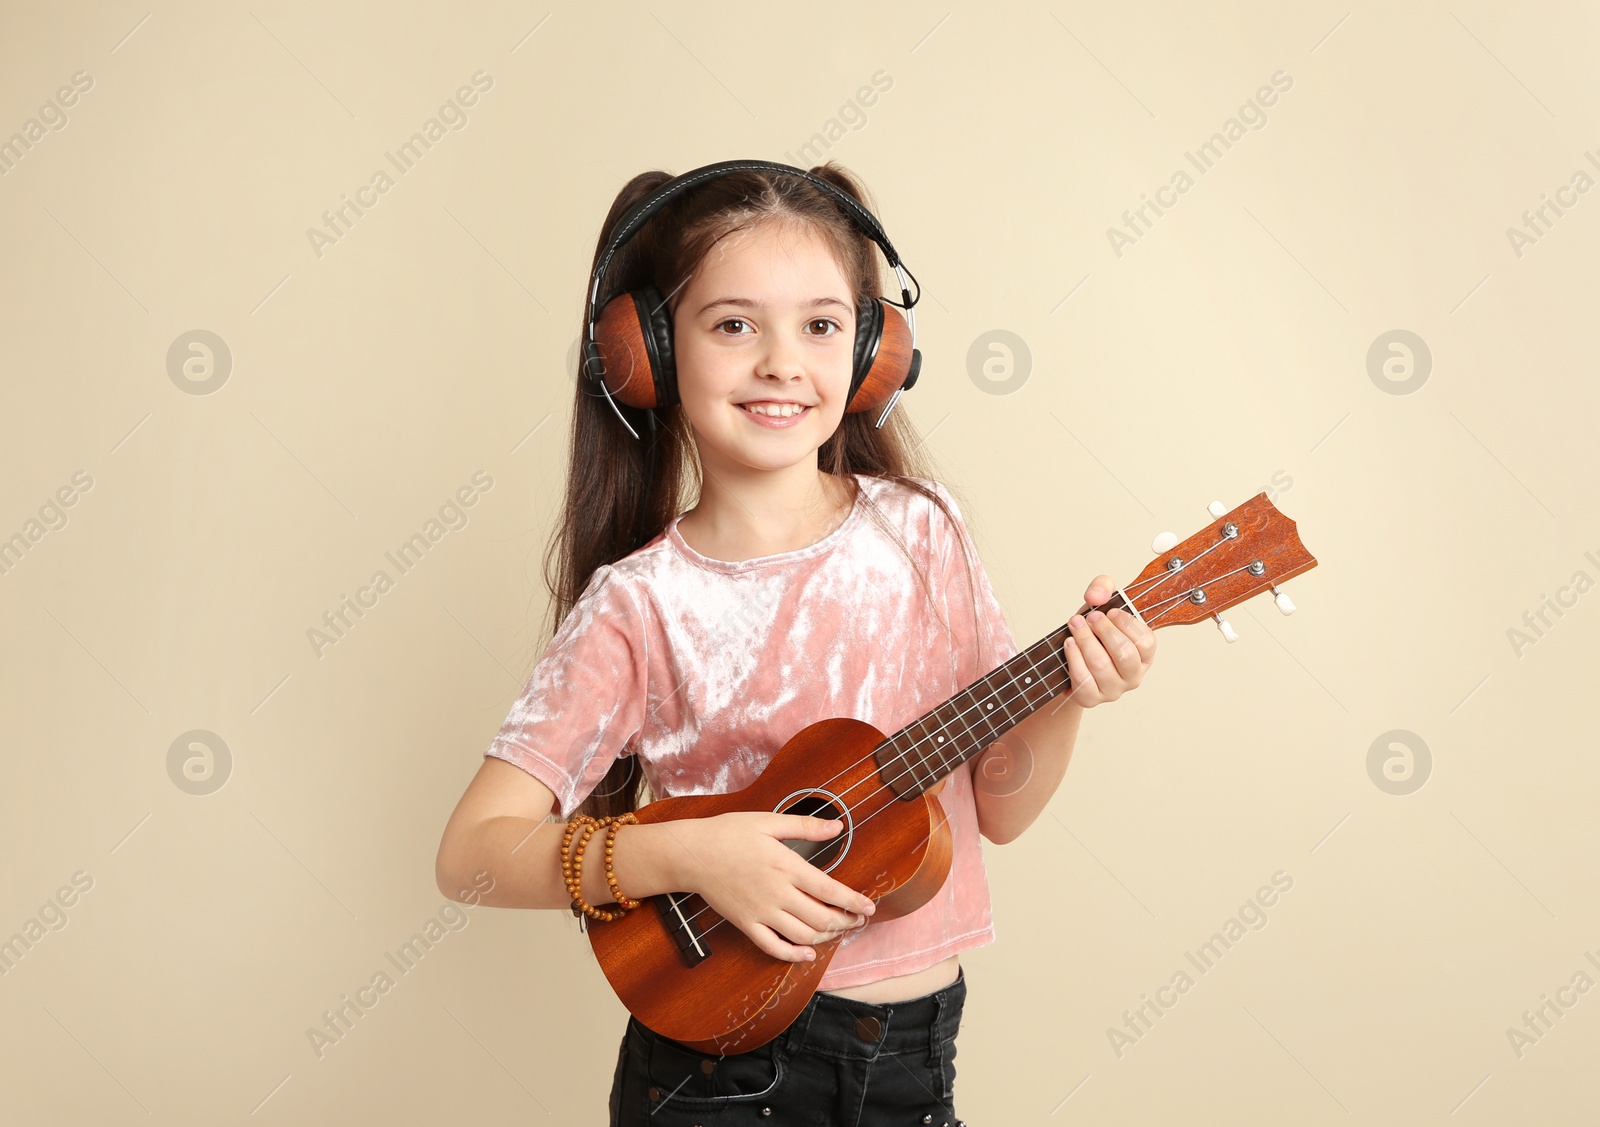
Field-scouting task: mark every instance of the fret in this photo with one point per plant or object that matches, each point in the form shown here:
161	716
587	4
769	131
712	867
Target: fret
916	757
907	761
940	748
1011	687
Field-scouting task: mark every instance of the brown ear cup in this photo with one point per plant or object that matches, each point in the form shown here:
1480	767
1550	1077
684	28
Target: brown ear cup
634	339
885	360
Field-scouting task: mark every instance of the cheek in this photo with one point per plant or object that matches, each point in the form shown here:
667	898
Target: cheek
701	374
839	384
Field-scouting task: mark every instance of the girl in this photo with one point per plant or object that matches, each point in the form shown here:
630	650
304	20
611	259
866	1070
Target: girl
821	572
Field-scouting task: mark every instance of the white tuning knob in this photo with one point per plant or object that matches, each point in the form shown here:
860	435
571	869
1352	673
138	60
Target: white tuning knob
1216	508
1285	603
1227	628
1164	542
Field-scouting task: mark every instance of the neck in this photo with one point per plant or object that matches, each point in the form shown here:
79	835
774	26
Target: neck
917	756
753	514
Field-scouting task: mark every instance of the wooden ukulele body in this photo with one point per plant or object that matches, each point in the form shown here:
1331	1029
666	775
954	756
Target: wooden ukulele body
689	975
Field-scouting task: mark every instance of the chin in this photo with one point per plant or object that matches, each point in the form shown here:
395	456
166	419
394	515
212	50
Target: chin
771	459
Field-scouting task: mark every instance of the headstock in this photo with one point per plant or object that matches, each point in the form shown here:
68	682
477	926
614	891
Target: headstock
1252	549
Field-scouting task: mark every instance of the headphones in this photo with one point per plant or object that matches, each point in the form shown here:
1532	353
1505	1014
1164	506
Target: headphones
627	349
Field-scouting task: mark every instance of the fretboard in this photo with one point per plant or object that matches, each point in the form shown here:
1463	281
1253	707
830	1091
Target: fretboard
926	750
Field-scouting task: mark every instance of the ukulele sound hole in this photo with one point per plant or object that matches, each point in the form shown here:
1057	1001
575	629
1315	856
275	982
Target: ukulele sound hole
824	854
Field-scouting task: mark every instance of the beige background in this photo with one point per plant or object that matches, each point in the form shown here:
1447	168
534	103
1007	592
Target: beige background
1222	354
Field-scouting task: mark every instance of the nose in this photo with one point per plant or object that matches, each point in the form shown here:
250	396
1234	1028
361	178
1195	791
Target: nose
781	359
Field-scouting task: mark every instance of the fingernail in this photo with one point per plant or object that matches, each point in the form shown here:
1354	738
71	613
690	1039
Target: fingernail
1095	616
1077	620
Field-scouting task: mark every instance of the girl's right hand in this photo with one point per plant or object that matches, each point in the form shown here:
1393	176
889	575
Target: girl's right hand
742	869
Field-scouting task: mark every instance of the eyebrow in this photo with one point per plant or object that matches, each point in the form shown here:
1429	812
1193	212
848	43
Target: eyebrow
749	303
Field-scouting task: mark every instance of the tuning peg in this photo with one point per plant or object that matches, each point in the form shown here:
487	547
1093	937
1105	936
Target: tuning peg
1226	627
1285	603
1164	542
1216	508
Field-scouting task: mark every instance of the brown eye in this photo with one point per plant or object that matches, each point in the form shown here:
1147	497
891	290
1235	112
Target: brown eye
732	321
827	321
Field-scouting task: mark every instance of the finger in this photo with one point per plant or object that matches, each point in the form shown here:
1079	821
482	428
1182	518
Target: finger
803	827
1084	691
820	918
1131	624
796	930
831	922
776	945
832	893
1096	657
1142	637
1101	589
1123	653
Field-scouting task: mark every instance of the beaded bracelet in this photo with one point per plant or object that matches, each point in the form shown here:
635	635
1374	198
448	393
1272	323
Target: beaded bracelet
574	871
572	867
611	845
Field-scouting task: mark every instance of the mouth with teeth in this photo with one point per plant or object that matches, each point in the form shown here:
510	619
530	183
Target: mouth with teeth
770	414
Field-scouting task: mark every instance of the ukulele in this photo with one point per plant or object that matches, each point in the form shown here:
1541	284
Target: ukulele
692	976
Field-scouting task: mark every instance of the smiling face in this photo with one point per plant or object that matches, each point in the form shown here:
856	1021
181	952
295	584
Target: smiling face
767	319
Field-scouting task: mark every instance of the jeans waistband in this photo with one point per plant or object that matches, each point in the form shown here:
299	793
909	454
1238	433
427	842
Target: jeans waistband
845	1027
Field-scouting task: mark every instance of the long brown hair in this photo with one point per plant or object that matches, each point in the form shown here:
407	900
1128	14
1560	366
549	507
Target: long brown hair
622	492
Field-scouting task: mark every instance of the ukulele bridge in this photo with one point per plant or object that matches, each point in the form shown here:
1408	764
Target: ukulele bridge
678	911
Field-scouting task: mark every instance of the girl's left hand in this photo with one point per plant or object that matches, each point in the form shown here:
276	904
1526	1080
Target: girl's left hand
1106	654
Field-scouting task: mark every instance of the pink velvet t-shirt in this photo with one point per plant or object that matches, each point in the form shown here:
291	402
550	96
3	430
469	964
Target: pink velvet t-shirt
705	668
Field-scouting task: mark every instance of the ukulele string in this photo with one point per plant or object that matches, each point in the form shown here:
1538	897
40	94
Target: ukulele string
1163	604
1128	593
857	825
1030	663
1144	613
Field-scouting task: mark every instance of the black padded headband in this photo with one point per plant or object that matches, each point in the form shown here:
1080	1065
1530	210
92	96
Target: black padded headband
675	187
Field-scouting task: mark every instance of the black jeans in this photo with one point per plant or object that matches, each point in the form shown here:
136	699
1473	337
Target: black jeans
841	1062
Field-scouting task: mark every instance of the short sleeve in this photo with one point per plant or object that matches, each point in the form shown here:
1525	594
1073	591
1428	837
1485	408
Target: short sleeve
586	696
981	639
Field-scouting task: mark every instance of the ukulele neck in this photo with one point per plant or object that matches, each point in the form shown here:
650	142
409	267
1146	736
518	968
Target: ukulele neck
916	757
